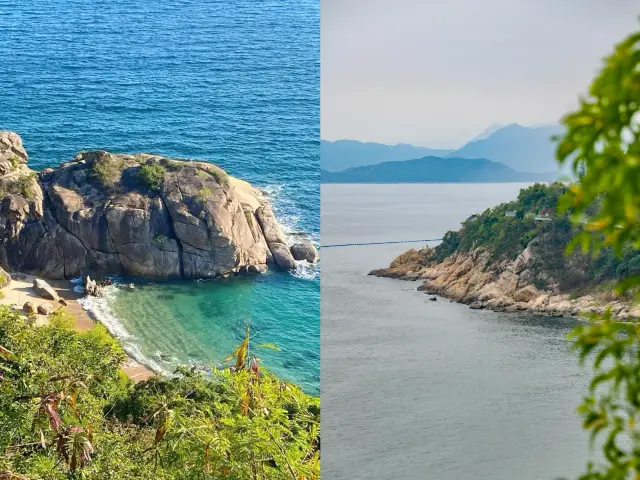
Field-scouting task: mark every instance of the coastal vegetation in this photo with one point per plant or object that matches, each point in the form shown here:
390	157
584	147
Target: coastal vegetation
152	176
508	228
219	174
67	410
21	185
532	220
108	170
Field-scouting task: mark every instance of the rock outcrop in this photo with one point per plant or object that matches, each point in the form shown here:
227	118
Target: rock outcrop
475	279
91	287
305	251
143	215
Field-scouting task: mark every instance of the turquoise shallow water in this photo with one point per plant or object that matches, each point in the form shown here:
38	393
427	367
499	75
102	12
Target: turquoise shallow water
203	321
236	83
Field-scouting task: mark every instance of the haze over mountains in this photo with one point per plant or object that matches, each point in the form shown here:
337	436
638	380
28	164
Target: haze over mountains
342	154
500	153
434	170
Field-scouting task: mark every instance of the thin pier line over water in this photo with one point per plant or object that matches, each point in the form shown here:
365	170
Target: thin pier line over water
380	243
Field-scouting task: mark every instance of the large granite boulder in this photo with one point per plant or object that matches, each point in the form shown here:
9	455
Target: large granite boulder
45	290
143	215
526	294
275	238
305	251
45	309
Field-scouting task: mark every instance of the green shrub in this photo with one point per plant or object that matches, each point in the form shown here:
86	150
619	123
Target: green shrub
62	319
159	238
20	186
61	388
152	176
108	170
15	162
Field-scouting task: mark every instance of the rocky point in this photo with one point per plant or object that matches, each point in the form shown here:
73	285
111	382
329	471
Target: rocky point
475	279
140	214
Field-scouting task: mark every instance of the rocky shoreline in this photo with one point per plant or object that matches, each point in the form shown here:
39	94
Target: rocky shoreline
141	215
474	279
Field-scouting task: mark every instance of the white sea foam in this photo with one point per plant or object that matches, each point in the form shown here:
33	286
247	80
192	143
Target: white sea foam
306	270
100	308
288	215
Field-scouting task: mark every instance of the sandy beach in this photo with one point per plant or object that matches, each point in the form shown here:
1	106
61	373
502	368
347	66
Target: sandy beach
20	290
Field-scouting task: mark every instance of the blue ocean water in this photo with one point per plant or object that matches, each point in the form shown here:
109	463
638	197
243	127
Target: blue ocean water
232	82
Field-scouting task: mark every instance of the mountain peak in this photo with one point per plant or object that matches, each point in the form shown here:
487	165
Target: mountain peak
526	149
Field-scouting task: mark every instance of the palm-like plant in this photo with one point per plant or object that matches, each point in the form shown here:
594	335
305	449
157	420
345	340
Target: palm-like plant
74	445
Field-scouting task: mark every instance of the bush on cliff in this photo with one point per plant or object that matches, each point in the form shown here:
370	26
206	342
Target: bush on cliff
506	236
68	411
152	176
108	170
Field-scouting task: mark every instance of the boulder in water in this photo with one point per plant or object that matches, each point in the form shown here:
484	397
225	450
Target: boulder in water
275	238
92	288
305	251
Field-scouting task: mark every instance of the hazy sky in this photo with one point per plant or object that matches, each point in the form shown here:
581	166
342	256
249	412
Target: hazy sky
436	73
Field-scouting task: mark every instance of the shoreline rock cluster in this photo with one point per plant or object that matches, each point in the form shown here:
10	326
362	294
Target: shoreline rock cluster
141	215
472	278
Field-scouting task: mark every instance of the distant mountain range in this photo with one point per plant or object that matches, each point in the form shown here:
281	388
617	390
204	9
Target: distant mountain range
342	154
524	149
434	170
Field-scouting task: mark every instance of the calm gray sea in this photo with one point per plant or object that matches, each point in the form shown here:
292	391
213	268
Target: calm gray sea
413	389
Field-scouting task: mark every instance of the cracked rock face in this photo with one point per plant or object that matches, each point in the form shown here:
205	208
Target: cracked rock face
142	215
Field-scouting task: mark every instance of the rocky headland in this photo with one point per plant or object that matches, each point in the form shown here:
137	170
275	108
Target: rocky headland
509	260
141	215
471	278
